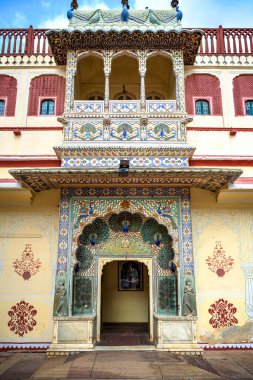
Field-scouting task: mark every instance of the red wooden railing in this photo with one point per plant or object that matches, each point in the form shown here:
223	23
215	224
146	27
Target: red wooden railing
215	41
29	42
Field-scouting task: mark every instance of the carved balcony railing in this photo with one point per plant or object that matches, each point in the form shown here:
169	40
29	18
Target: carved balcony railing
120	107
215	41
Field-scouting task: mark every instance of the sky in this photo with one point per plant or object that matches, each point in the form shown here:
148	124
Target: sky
197	13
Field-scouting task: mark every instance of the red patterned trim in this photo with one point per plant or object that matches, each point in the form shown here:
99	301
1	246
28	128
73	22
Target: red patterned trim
226	346
33	129
24	346
218	129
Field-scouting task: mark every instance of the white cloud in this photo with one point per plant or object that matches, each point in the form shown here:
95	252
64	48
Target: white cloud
20	20
95	4
45	3
58	22
208	13
159	4
61	21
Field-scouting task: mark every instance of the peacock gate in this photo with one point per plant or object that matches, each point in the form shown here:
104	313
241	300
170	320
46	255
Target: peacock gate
154	230
123	225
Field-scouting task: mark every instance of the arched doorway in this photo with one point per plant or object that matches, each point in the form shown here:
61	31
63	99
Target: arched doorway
125	304
119	306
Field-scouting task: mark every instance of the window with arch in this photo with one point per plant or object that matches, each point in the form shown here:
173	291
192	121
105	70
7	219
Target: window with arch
202	107
47	107
249	107
2	107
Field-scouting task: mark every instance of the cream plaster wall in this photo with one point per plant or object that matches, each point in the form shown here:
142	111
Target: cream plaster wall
36	225
30	142
233	227
123	306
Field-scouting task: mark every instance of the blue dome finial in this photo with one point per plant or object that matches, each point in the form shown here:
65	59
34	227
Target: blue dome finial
74	6
125	13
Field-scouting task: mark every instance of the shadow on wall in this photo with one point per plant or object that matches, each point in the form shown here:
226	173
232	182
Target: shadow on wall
233	334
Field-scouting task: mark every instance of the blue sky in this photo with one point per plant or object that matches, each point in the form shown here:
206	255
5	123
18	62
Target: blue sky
197	13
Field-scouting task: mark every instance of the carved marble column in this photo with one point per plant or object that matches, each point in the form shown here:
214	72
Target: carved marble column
248	274
179	74
70	80
142	56
107	54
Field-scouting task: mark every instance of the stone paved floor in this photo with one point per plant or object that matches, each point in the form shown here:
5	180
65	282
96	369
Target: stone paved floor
148	365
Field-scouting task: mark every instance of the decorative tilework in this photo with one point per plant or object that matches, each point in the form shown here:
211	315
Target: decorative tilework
124	106
133	162
149	206
158	106
88	107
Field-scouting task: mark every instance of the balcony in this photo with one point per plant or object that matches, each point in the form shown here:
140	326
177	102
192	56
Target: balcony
215	42
121	107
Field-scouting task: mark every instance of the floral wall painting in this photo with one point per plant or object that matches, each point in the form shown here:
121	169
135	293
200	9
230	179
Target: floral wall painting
28	266
22	320
219	263
130	275
222	313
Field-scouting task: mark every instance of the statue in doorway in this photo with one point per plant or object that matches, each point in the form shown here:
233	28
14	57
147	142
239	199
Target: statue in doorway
60	301
189	301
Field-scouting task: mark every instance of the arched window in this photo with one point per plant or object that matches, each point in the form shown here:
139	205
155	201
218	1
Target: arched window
2	107
47	107
202	107
249	107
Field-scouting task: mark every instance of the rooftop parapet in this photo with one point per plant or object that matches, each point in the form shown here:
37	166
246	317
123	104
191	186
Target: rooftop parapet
139	20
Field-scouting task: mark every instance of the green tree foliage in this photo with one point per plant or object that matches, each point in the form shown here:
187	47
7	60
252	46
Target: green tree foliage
168	295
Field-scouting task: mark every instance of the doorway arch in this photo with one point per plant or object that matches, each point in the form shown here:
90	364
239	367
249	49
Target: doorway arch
102	261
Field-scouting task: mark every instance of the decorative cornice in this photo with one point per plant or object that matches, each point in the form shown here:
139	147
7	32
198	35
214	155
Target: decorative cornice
205	178
103	150
61	41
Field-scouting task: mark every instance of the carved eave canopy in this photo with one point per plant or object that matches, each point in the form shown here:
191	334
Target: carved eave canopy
62	41
55	178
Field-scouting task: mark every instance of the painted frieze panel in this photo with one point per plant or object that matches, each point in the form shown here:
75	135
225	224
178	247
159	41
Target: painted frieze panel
111	162
127	107
125	130
27	266
158	106
87	131
223	314
22	318
219	263
87	107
